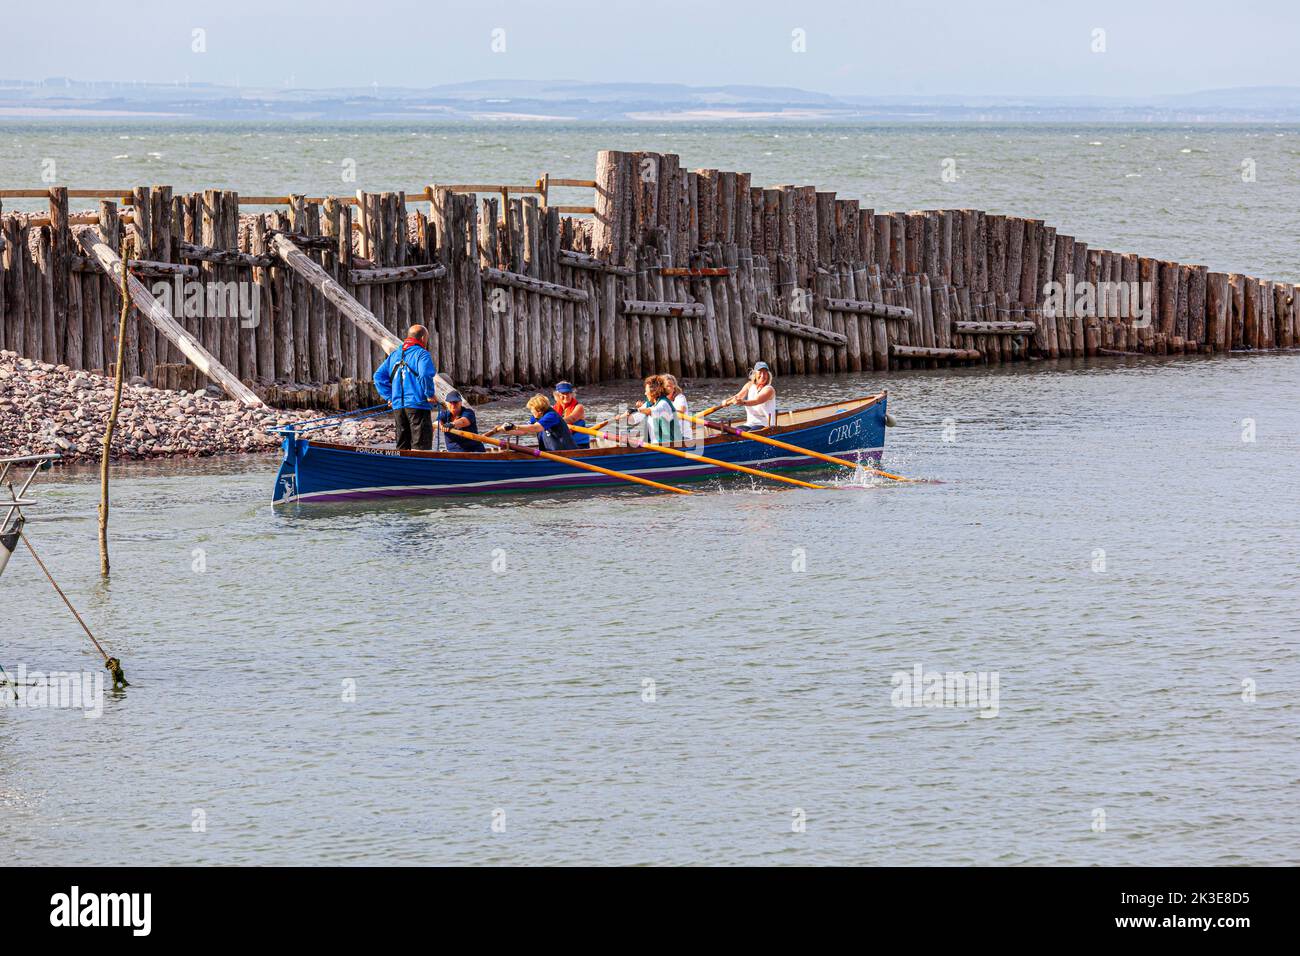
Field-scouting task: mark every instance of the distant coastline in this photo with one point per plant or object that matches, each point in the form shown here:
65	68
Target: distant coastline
505	101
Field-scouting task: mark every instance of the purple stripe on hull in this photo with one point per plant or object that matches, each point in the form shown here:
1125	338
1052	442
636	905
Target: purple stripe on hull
583	479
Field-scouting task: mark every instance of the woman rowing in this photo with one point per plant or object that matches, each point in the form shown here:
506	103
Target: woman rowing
758	398
641	414
678	398
568	407
551	430
659	414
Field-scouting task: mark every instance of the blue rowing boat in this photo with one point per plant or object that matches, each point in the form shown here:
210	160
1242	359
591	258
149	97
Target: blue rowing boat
320	471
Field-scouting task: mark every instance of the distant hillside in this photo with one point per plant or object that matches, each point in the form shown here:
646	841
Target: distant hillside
529	100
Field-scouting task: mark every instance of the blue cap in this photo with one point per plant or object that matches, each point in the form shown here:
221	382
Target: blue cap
761	367
564	388
453	396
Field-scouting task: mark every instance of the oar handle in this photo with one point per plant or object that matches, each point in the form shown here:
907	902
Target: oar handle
717	426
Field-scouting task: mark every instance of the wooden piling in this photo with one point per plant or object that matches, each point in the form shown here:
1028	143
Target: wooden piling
112	265
521	292
1251	334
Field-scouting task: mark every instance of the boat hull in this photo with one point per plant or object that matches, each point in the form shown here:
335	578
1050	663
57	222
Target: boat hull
322	472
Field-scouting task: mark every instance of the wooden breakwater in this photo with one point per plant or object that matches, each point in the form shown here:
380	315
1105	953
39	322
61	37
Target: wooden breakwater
695	272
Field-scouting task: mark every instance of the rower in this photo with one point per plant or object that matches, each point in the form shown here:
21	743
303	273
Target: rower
568	407
678	398
405	381
661	422
551	430
456	414
758	398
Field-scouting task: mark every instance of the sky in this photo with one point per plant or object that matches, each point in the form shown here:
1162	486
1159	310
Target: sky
971	47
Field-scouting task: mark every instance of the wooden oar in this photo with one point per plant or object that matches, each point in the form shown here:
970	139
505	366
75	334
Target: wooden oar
691	456
586	466
732	430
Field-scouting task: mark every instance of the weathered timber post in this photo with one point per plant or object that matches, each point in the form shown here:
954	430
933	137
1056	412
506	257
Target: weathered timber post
61	277
152	309
348	307
5	327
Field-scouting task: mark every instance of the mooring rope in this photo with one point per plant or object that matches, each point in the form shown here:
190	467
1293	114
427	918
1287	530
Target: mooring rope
111	663
336	424
331	421
327	418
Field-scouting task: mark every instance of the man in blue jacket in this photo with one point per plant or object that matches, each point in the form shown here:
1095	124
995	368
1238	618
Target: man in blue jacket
405	382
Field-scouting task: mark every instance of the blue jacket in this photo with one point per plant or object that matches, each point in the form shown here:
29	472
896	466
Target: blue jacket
406	377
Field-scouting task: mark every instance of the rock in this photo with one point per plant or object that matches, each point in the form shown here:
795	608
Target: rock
41	411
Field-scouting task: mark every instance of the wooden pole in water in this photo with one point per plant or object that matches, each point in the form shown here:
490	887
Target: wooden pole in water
112	417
